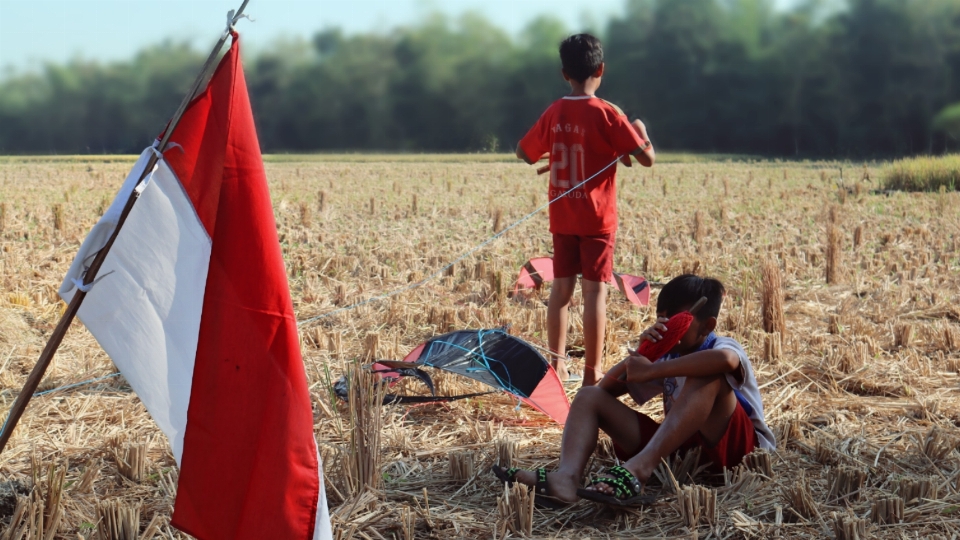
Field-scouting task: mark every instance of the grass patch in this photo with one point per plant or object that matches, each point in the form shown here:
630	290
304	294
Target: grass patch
923	174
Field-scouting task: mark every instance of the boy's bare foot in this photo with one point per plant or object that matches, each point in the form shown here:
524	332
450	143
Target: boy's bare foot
592	376
562	487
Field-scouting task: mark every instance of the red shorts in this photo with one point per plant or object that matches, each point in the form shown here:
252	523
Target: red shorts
739	440
591	256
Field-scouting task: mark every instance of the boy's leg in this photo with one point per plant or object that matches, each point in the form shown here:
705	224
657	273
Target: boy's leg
560	294
594	328
592	410
596	256
706	404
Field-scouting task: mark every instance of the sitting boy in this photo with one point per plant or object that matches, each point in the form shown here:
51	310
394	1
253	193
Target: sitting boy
710	400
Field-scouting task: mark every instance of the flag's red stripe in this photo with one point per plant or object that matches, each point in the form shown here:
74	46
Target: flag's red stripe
249	467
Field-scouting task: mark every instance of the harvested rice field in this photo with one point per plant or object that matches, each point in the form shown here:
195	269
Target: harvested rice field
859	374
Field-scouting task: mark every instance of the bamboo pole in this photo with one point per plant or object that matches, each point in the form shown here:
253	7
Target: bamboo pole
36	375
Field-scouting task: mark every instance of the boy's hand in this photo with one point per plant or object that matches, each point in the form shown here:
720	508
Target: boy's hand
639	369
653	333
646	156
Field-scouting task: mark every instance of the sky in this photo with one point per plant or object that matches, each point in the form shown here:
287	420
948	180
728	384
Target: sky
33	32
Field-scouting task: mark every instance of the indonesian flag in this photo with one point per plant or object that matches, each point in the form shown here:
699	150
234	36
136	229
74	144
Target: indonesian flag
192	305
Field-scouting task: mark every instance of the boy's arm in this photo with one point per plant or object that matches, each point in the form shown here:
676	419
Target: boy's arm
698	364
523	155
644	154
612	383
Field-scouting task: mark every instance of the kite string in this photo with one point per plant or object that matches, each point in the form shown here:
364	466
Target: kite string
465	255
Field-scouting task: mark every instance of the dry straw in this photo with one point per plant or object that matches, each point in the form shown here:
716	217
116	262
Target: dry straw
772	297
506	449
515	511
848	527
697	504
131	460
117	520
58	217
366	421
461	466
887	510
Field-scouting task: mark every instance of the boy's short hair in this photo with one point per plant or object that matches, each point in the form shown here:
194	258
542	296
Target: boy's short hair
581	56
682	292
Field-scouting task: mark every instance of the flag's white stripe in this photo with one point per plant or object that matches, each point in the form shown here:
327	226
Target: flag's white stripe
321	529
146	305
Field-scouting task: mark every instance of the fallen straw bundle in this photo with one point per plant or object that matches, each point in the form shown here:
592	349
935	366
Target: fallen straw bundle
887	510
937	445
845	483
834	266
772	347
461	466
696	504
759	461
800	501
132	460
117	520
506	450
365	399
90	473
847	527
902	335
915	489
515	511
772	297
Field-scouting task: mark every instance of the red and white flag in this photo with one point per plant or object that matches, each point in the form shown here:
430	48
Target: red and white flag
192	304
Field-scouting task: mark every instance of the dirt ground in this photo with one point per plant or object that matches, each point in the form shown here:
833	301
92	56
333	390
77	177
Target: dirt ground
861	388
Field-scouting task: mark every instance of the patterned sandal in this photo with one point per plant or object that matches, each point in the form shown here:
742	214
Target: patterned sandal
625	485
507	476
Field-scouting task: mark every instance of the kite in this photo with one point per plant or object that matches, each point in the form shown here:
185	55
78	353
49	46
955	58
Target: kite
535	272
491	356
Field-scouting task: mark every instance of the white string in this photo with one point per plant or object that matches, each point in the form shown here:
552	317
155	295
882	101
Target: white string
232	20
81	286
461	257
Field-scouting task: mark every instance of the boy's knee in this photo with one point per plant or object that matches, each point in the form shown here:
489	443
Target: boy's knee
717	383
589	395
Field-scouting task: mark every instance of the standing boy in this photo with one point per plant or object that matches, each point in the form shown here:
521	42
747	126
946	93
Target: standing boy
583	135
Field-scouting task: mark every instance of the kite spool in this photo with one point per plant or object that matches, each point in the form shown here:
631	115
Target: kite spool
677	326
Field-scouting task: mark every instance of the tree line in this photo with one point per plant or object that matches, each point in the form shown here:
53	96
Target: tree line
862	79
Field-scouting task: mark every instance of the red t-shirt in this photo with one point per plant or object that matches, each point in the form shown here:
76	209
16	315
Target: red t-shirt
583	135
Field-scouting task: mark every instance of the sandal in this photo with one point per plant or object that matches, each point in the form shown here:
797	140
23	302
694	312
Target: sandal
540	490
626	488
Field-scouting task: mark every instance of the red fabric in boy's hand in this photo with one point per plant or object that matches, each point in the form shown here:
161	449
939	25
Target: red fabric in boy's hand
677	326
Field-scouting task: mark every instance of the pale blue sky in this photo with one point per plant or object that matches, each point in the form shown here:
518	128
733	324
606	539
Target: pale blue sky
36	31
